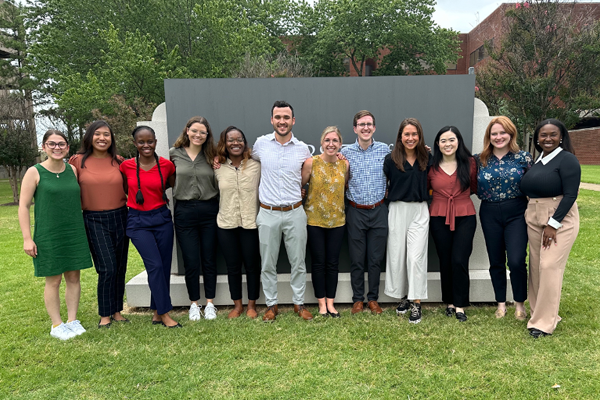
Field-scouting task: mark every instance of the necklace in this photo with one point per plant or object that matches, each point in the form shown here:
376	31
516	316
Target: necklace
57	173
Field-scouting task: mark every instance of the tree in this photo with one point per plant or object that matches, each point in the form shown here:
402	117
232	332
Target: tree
85	51
17	153
399	32
545	66
128	68
18	142
283	65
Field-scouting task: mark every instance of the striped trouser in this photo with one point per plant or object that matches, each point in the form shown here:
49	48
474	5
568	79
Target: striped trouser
109	246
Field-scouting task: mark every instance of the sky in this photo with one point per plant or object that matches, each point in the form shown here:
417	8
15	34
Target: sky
464	15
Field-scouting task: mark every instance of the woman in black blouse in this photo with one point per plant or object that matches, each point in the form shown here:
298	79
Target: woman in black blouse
552	220
408	220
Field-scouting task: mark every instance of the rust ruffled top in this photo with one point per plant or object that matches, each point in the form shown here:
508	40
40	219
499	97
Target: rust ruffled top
448	199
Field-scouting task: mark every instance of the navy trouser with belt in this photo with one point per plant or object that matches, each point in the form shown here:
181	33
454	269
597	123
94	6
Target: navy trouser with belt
505	233
151	233
109	247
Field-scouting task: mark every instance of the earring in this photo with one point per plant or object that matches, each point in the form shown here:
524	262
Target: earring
561	140
538	142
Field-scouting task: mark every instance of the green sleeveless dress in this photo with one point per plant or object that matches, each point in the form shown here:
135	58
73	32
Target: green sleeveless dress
59	233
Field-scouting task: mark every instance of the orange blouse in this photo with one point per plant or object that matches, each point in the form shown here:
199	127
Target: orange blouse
101	183
448	199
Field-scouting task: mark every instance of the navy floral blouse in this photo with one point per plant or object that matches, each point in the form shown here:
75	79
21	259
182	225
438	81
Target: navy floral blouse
500	180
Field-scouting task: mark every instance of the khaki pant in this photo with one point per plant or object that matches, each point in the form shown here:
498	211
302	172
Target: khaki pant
547	266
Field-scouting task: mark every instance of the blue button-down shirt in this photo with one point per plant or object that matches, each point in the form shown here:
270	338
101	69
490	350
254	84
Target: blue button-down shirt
367	181
500	179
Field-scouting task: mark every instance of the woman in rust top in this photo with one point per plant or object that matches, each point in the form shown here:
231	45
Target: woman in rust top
105	216
453	177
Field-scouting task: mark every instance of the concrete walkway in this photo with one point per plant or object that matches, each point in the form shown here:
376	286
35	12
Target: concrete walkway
589	186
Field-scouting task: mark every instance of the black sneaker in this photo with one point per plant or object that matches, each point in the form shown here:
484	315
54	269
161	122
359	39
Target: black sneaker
403	306
415	313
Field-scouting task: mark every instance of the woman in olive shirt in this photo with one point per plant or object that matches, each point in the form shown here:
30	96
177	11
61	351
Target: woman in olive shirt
196	208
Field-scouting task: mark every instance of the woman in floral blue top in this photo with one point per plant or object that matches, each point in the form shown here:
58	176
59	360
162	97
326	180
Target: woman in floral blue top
501	167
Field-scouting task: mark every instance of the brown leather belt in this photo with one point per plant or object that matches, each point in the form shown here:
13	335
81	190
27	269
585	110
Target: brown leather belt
363	207
280	208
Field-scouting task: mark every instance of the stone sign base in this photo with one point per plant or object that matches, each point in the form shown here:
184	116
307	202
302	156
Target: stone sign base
138	292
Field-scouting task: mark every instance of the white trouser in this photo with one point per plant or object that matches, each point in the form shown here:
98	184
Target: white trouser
406	260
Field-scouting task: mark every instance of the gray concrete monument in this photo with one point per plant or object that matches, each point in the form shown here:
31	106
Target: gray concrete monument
138	294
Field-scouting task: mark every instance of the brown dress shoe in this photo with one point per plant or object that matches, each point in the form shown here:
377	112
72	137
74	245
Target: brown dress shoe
270	314
251	310
303	312
238	309
375	309
357	307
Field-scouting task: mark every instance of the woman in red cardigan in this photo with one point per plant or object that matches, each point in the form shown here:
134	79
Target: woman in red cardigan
453	178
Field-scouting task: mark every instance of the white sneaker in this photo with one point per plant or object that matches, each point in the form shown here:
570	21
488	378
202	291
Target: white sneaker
75	327
62	332
210	311
195	313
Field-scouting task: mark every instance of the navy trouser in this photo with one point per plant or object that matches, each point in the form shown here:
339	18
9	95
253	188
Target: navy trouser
454	249
505	232
196	227
109	247
367	240
239	246
325	245
151	233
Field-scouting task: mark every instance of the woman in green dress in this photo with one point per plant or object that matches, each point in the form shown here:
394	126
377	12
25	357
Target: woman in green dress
59	244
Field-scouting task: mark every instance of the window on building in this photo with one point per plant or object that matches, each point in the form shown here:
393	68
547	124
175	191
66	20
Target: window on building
480	53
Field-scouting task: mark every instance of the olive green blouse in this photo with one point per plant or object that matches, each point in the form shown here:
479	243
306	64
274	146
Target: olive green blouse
194	180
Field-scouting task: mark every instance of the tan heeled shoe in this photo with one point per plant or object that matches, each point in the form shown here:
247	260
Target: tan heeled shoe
500	313
520	315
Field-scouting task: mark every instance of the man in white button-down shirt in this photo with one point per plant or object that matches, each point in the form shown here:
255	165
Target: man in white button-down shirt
281	212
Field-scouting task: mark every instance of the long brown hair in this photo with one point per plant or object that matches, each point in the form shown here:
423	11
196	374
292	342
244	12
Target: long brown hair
208	147
399	153
87	148
488	148
222	152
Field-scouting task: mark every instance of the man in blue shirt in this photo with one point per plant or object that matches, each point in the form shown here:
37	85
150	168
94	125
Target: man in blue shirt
367	214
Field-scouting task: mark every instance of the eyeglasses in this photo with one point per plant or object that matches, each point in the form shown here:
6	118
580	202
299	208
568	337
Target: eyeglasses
365	124
195	132
53	145
235	140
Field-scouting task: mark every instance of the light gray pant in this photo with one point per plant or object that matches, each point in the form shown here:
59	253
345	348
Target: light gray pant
271	225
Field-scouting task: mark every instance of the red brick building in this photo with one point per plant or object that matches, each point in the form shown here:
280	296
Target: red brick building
472	50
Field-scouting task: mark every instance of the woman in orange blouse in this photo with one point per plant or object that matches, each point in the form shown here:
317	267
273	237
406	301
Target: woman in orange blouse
453	177
105	216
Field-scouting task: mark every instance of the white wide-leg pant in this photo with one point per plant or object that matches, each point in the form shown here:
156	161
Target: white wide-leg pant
406	260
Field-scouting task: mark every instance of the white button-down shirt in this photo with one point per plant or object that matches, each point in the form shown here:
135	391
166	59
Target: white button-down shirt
281	169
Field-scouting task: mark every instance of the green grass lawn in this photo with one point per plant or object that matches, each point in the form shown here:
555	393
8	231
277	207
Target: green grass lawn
590	173
355	357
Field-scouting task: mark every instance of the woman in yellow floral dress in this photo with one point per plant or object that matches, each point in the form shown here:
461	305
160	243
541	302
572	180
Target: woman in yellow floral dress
326	218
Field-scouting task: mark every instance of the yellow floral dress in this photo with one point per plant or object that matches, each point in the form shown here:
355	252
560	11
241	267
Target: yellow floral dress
324	204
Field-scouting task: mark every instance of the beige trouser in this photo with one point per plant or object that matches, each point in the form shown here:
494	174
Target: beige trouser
547	266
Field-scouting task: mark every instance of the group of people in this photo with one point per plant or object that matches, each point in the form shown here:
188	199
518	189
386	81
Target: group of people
246	199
